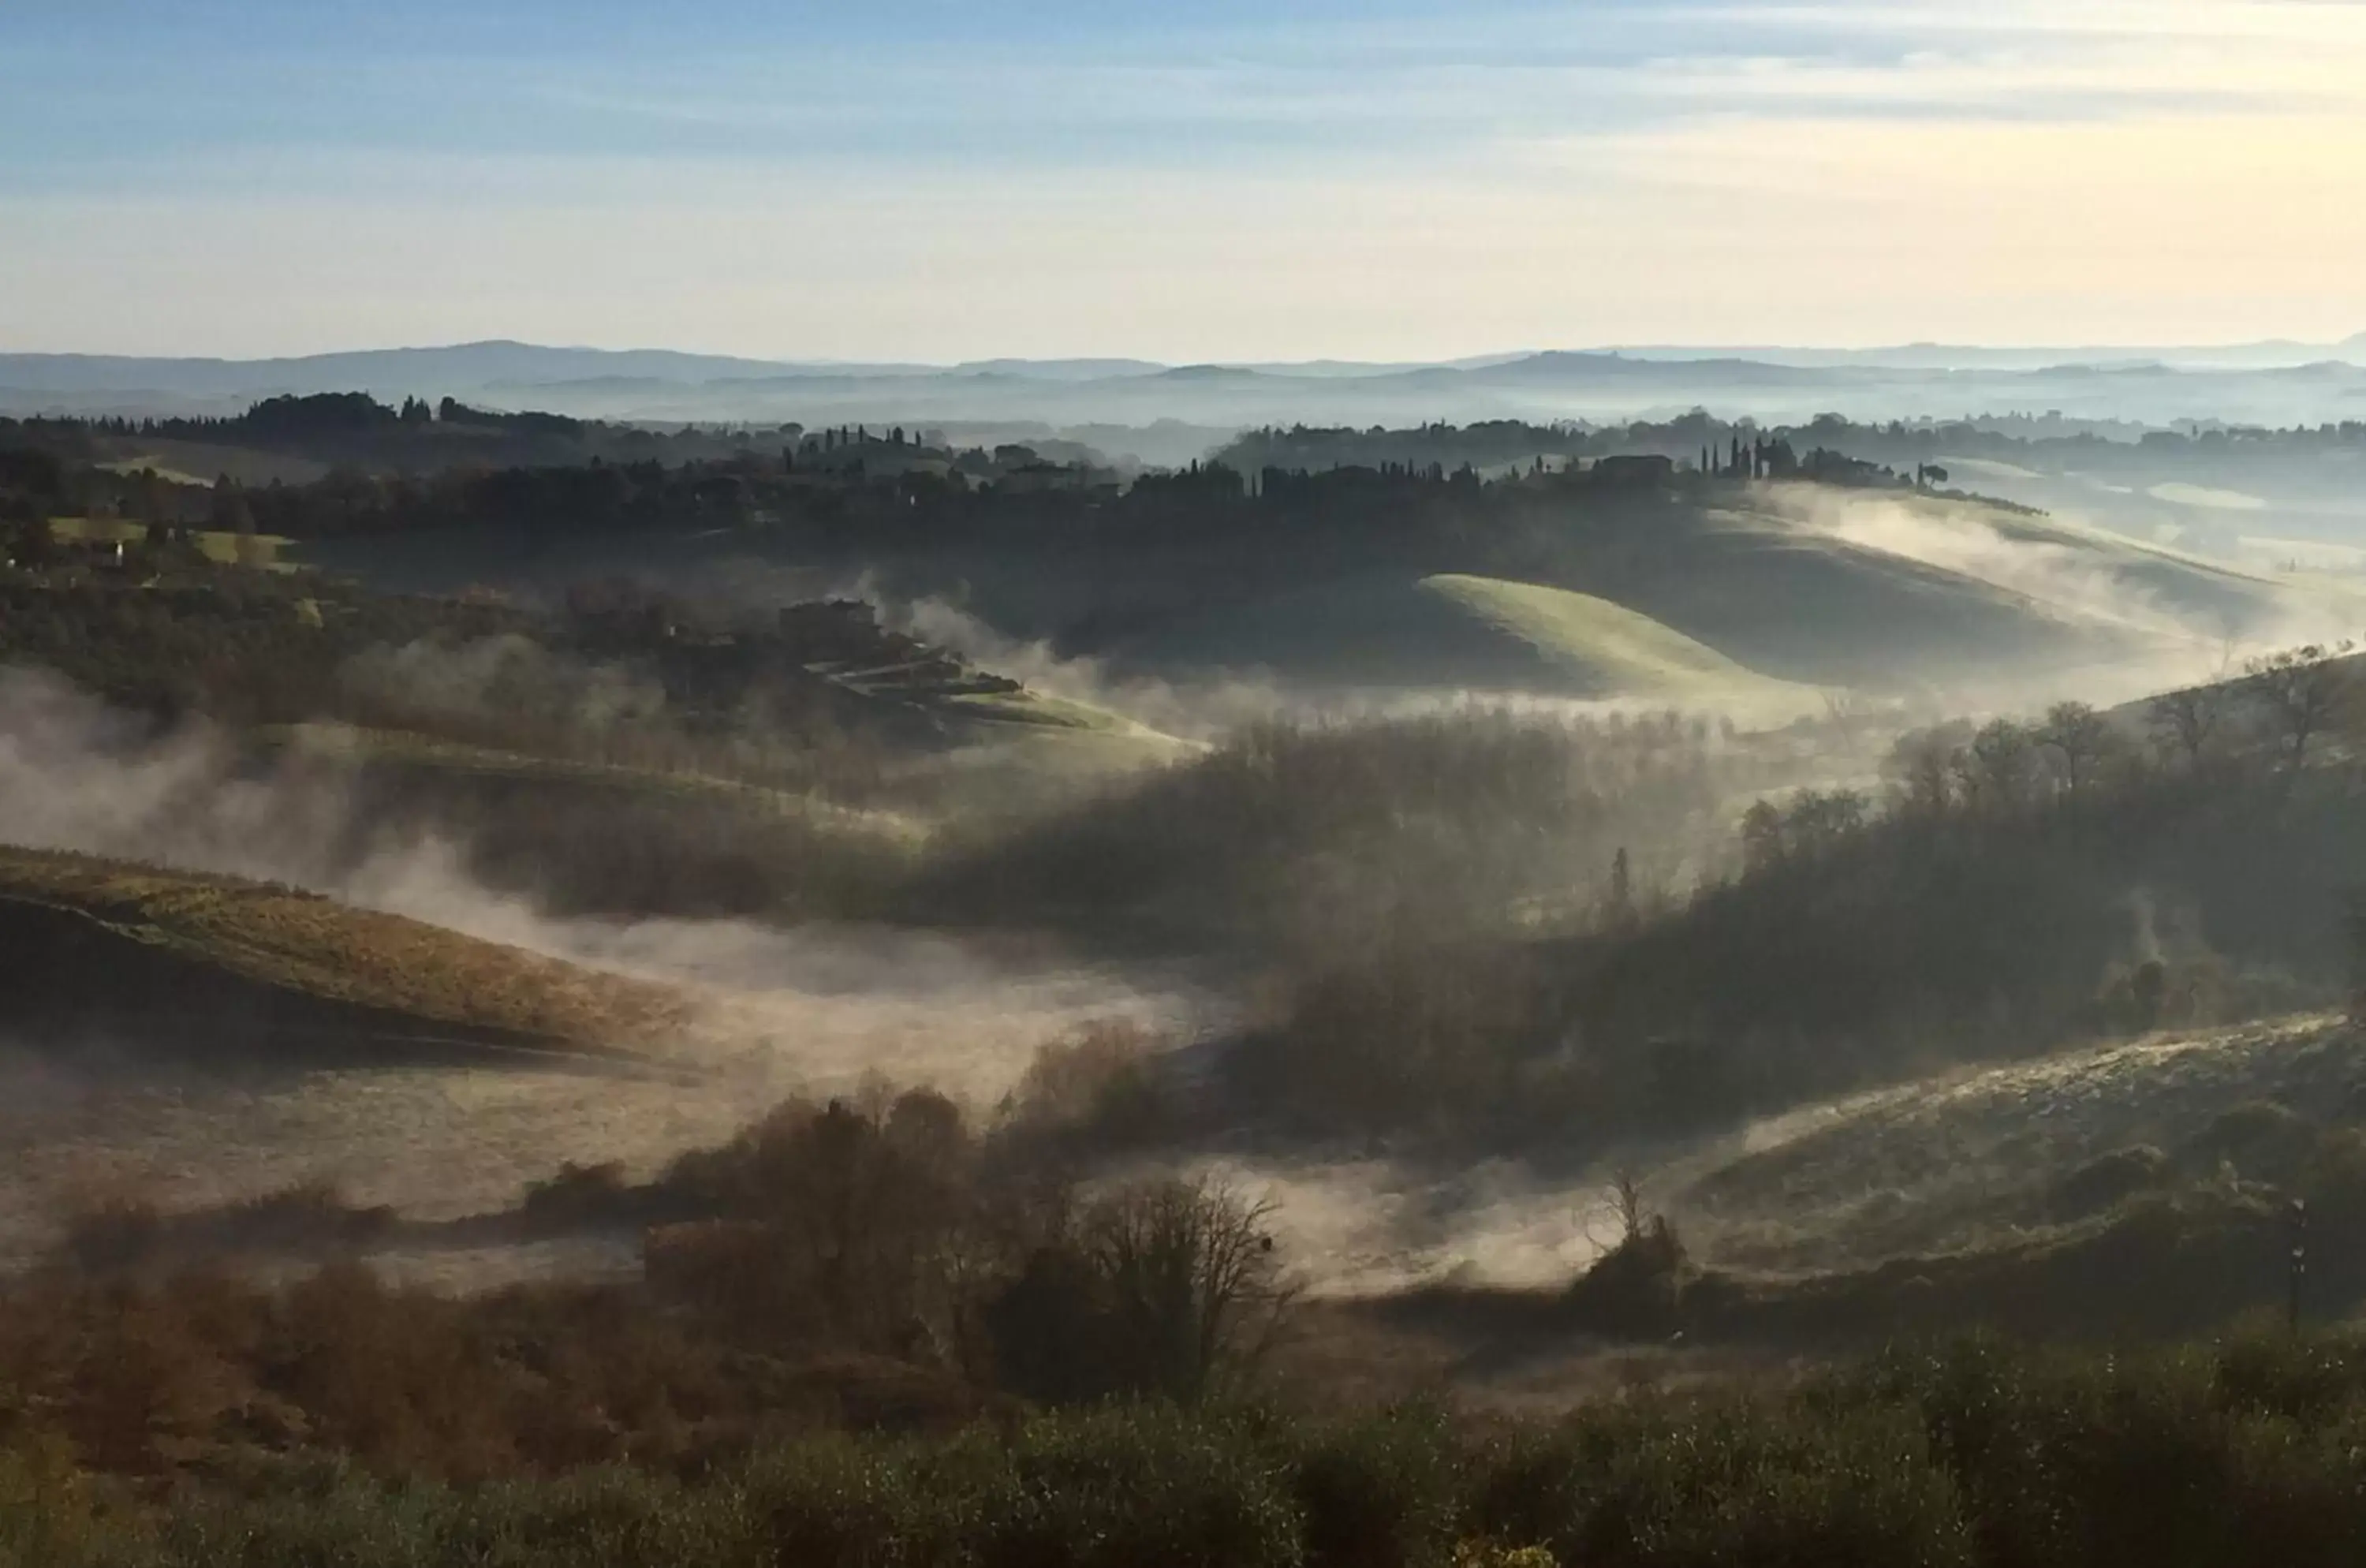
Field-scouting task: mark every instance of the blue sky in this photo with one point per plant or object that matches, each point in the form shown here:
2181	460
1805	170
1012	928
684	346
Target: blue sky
1204	179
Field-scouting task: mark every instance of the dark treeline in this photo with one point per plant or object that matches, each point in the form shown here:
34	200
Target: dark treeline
885	483
1495	443
354	430
2018	887
614	676
1305	842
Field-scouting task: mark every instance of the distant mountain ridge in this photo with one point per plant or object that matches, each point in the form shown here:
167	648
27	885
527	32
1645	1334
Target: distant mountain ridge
2249	382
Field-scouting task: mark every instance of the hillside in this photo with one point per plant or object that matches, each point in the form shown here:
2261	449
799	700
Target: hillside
1825	585
1458	631
1847	573
1991	1156
1615	651
1736	591
146	955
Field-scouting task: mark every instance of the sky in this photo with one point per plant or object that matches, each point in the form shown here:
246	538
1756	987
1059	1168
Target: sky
1188	181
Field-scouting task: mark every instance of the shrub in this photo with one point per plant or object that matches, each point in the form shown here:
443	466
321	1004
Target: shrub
1378	1493
1141	1488
1635	1288
46	1510
1164	1288
2108	1179
2258	1138
1728	1485
838	1503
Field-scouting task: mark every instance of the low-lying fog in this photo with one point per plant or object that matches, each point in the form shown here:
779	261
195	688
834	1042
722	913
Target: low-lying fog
784	1010
812	1011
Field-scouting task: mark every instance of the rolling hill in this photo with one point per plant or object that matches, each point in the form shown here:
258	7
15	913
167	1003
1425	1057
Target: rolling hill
1615	648
138	955
1970	1159
1774	590
1458	631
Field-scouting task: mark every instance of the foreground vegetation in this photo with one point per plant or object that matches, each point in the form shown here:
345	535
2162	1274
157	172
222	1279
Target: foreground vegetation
2241	1453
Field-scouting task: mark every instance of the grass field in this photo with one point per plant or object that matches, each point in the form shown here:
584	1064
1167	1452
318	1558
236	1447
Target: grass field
261	550
1975	1160
1624	653
301	946
1455	632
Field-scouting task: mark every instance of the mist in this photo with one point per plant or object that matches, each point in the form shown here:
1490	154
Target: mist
2150	641
815	1009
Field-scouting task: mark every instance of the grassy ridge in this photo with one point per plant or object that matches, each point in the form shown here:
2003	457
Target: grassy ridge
1625	653
312	947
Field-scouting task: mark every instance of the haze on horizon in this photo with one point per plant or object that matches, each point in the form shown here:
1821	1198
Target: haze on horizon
1391	180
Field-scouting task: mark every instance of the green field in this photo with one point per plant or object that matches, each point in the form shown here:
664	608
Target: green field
1463	633
1621	652
261	550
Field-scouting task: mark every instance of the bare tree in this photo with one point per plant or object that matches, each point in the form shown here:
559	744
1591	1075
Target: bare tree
1626	1194
1195	1290
2079	735
1761	837
1923	769
2302	692
2189	721
2002	760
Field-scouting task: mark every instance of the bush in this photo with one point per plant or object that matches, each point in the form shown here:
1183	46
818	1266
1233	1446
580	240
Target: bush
1827	1489
1635	1289
46	1510
2246	1453
1378	1493
840	1503
2260	1138
1143	1487
2108	1180
1165	1287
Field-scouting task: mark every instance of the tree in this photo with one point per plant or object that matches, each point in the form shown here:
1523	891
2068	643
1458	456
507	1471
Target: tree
1818	819
1195	1288
2300	693
1166	1287
1622	892
229	512
1923	765
1761	837
2000	764
2079	735
2188	721
29	543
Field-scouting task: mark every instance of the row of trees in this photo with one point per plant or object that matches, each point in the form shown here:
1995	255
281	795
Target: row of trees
2277	714
2018	882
